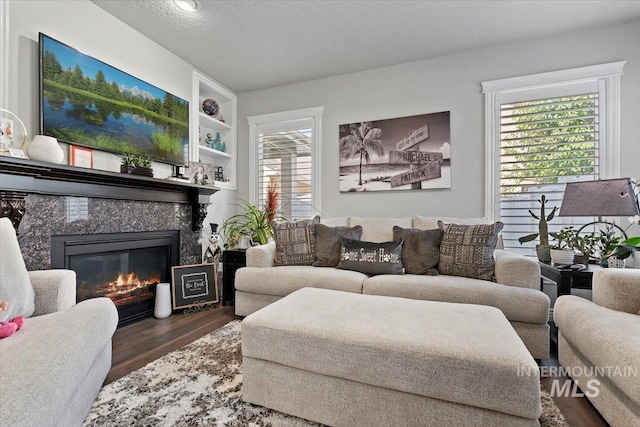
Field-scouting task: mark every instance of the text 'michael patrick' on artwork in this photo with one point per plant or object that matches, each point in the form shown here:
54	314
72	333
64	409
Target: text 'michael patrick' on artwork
405	153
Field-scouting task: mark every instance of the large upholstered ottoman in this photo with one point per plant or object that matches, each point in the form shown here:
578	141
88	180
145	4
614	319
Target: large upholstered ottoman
347	359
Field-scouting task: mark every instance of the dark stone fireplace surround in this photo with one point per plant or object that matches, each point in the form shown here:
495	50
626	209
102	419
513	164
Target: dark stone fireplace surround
44	199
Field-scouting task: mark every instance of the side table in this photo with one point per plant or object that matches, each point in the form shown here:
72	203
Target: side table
569	278
232	260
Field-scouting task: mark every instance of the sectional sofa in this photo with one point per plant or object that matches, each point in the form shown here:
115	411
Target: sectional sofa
516	290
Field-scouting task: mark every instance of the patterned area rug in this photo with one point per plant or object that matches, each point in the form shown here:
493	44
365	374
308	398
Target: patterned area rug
200	385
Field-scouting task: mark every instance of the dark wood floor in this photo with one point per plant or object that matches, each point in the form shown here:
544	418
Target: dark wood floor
140	343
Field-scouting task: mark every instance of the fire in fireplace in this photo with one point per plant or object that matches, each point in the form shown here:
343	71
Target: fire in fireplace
125	267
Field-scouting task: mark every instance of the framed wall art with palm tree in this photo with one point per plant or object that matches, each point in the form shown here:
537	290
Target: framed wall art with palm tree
405	153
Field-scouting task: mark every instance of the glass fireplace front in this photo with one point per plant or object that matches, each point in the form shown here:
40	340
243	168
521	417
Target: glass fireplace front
125	267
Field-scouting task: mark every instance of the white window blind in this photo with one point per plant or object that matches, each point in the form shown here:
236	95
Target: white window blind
285	163
544	144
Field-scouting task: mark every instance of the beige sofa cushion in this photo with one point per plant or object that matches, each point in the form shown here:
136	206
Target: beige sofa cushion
336	222
280	281
518	304
431	222
379	229
439	350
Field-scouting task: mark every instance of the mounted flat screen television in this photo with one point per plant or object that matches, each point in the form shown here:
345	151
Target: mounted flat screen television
84	101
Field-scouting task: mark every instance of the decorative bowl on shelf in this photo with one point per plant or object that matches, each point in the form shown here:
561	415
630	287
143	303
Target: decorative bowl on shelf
210	107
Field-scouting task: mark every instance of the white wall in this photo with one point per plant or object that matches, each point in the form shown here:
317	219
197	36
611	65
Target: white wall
447	83
88	28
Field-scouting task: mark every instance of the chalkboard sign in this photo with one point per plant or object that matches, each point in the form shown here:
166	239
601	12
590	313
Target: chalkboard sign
194	285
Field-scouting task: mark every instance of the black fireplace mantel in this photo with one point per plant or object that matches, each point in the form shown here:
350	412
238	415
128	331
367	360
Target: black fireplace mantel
20	177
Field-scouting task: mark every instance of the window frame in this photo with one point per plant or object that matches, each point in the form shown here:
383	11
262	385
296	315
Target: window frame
605	76
312	113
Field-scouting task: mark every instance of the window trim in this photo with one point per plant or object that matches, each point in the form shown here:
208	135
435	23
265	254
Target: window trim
607	77
313	113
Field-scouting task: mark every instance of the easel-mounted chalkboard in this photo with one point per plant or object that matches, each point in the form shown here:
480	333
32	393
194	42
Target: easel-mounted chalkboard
194	285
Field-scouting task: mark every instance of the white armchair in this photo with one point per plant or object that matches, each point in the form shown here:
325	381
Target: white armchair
605	334
52	369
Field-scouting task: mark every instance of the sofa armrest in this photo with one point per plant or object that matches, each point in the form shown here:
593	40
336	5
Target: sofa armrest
55	290
513	269
617	289
261	256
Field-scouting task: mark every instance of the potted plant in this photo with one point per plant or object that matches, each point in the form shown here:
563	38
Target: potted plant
252	222
585	245
561	252
543	248
626	248
136	165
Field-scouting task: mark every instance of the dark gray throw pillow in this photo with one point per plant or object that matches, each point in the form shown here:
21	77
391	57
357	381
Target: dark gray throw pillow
371	257
420	249
328	243
467	250
295	242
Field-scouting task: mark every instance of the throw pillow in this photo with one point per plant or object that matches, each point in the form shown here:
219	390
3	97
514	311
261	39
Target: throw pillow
295	242
420	249
328	243
467	250
371	257
15	285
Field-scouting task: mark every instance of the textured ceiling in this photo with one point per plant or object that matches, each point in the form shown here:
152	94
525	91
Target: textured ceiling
250	45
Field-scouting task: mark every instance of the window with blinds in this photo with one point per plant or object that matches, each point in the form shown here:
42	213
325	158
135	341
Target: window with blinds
284	161
544	144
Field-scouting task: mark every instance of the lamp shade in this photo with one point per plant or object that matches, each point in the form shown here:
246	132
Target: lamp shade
606	197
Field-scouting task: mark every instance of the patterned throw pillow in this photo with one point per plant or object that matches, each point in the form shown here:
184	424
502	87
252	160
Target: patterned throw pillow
420	249
295	242
467	250
328	243
371	257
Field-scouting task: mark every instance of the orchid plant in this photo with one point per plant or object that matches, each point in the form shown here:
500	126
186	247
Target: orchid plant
624	248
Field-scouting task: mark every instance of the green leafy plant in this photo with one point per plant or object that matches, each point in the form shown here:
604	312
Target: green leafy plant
135	160
564	237
543	228
252	222
623	249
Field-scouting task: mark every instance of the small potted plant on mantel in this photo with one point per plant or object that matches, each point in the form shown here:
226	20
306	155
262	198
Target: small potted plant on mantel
136	165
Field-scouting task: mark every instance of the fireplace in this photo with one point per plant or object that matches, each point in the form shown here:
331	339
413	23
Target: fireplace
125	267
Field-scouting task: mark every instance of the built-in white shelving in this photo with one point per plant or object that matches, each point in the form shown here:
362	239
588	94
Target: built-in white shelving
224	123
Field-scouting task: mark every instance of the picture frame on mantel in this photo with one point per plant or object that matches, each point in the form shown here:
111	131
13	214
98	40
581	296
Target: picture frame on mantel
81	156
194	285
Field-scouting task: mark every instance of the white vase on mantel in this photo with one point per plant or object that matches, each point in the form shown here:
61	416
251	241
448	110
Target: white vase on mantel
45	148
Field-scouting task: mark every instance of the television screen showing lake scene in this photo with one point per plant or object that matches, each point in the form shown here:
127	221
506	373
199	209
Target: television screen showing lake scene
87	102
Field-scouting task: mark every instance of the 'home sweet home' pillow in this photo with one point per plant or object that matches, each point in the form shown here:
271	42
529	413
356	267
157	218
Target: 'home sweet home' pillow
371	257
467	250
295	242
420	249
327	252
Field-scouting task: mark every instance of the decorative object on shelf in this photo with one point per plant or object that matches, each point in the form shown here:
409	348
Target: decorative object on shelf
136	165
210	107
81	156
218	143
208	141
162	308
200	173
45	148
218	174
561	253
221	119
9	136
178	171
122	113
193	285
543	249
